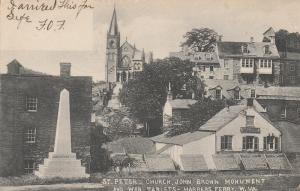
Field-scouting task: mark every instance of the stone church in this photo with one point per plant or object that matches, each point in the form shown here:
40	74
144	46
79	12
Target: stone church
122	61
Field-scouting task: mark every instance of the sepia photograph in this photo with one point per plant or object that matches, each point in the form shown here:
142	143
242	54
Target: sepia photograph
139	95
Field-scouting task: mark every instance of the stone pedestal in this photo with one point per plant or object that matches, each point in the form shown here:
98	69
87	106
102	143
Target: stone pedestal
62	162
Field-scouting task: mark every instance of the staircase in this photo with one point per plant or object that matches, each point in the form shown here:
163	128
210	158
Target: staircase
114	102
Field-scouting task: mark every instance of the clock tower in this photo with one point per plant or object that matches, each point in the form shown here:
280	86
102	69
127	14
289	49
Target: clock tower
112	50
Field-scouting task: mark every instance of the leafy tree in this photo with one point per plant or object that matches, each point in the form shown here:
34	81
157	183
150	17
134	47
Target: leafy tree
119	124
286	41
201	39
146	94
199	113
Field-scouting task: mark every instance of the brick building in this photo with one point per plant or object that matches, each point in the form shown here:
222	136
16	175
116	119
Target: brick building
28	113
290	68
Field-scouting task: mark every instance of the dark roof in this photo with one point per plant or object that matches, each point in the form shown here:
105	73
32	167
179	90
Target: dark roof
131	145
182	103
290	55
256	49
181	139
278	161
290	136
225	162
193	163
222	118
226	85
254	161
274	92
159	163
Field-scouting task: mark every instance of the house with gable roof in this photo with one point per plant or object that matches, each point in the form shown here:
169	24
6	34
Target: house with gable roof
237	135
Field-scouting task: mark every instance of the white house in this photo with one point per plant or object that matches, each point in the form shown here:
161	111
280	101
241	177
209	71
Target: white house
240	134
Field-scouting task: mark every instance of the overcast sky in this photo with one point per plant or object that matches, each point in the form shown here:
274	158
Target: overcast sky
156	25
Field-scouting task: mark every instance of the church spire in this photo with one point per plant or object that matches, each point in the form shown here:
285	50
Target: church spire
113	29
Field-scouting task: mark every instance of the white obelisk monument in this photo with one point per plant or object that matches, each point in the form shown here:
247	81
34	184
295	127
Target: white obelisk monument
62	162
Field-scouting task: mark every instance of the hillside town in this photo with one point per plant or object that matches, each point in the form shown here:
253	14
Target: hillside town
233	107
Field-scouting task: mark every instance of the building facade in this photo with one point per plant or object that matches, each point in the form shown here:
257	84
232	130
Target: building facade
28	113
122	61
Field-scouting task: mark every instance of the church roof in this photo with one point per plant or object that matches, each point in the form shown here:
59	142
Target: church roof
113	29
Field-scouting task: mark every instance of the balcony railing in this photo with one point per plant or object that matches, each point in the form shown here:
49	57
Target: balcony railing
250	130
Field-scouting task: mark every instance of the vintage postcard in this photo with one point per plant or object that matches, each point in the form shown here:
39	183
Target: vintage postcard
139	95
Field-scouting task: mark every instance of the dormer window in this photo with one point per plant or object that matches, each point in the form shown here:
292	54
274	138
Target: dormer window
218	94
267	49
244	48
237	95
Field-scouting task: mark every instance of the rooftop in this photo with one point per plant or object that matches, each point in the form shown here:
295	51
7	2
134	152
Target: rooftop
255	49
181	139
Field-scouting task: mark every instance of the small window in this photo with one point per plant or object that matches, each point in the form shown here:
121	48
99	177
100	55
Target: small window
243	62
292	67
261	63
252	93
211	68
211	77
218	94
267	49
226	142
244	48
29	166
249	121
237	95
208	56
30	135
31	103
292	79
226	77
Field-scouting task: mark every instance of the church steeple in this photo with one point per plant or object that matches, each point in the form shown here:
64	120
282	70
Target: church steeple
113	29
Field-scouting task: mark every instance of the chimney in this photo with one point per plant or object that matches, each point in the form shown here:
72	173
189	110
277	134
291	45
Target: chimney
251	39
219	38
65	69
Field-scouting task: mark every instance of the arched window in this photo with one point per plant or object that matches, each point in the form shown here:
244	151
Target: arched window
125	61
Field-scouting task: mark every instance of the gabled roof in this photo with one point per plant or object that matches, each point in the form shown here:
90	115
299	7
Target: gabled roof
269	32
25	71
224	84
182	103
256	49
222	118
181	139
193	163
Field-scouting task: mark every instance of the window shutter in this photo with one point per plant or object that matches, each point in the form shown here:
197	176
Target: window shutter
244	142
265	143
255	143
276	143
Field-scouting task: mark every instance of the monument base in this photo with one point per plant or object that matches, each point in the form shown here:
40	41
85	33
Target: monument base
61	165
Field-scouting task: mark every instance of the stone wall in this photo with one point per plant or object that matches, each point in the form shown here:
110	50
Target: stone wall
15	119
